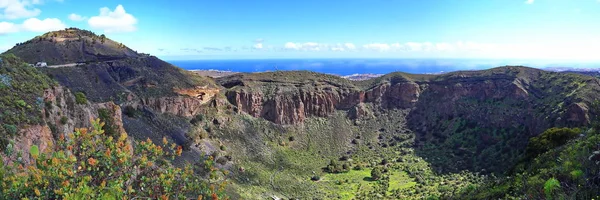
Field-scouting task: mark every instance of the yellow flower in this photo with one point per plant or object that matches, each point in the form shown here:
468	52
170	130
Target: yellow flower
165	141
37	192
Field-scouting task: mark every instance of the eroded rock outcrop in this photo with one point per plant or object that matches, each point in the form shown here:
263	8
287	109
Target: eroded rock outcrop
28	136
189	103
451	95
292	106
62	114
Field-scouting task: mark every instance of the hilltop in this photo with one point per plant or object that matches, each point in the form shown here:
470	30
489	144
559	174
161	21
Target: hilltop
71	45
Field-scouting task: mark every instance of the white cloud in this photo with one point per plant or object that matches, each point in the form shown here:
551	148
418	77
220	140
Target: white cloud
397	46
308	46
349	46
32	25
16	9
113	21
258	44
49	24
444	47
76	17
311	46
291	45
338	49
7	27
377	47
529	1
414	46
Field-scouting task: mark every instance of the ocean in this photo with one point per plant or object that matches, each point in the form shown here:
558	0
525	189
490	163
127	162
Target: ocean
363	66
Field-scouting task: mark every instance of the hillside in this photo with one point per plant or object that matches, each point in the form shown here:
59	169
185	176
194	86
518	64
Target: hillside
71	45
22	90
306	135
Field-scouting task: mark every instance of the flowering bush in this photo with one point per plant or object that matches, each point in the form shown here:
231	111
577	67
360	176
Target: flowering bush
89	164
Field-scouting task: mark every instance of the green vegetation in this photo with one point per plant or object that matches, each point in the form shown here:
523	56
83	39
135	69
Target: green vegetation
80	98
64	120
376	173
21	91
115	169
470	134
130	111
107	118
568	171
550	139
550	187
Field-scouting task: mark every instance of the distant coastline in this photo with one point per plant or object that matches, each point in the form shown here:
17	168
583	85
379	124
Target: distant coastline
361	69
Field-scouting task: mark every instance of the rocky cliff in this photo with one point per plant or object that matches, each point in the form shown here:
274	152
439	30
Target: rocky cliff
291	102
61	115
470	114
62	112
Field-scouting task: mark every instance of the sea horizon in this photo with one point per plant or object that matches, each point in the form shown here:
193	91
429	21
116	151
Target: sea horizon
350	66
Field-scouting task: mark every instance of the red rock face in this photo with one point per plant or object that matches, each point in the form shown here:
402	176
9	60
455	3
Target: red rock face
180	105
61	104
295	107
446	97
399	95
28	136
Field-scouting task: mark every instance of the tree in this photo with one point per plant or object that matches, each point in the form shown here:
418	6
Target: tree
102	38
334	167
376	173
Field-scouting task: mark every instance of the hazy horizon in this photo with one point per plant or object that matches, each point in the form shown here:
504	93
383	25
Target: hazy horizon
493	29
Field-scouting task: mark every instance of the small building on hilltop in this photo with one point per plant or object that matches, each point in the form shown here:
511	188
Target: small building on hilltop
41	64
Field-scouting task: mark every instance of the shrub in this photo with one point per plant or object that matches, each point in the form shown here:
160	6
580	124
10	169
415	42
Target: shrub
376	173
105	115
115	170
130	111
21	103
222	160
10	129
550	139
64	120
80	98
550	187
334	167
576	174
315	178
197	119
203	135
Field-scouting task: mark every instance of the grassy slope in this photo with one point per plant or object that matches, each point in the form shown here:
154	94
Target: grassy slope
21	96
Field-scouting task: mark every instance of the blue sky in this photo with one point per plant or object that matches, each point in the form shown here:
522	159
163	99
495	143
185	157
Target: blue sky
227	29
